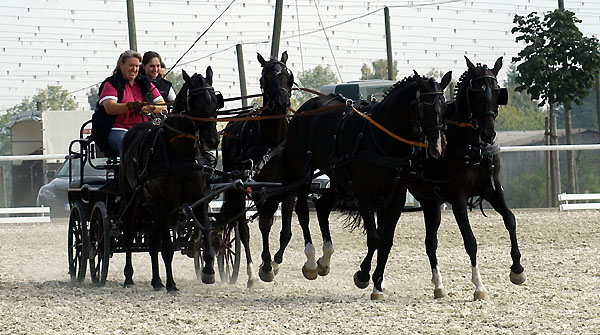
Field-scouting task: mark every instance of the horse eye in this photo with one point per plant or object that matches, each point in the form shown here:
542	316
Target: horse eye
483	87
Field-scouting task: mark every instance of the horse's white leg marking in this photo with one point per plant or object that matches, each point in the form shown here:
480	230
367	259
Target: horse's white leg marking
436	279
480	291
376	294
324	262
252	279
309	270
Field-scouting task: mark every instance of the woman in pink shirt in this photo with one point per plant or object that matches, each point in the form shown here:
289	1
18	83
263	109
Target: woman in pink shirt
124	94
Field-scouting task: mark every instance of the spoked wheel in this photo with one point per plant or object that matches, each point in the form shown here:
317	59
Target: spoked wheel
198	258
77	243
99	244
228	254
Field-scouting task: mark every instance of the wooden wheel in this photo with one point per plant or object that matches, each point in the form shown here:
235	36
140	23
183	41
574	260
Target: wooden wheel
99	244
198	260
229	255
77	243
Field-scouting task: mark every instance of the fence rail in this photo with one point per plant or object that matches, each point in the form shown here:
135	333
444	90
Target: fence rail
24	214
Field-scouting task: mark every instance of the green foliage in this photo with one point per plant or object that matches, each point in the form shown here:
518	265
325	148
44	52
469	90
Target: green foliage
176	79
51	98
584	115
438	75
588	176
521	112
314	79
379	71
92	96
527	191
5	148
558	63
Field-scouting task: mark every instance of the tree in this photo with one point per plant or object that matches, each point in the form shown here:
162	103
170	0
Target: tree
51	98
176	79
314	79
5	148
558	66
380	70
92	96
438	75
521	112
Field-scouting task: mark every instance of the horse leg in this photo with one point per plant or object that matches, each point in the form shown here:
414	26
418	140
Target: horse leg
245	238
361	278
128	236
287	207
432	215
155	245
208	271
309	269
324	205
517	272
387	221
167	252
265	222
460	214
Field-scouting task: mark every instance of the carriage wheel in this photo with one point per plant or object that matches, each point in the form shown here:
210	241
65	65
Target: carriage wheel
198	260
99	244
229	255
77	243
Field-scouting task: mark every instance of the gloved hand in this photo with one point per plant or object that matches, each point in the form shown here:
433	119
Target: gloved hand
135	105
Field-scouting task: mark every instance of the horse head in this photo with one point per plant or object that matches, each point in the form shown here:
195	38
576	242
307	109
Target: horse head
276	83
482	98
431	112
198	99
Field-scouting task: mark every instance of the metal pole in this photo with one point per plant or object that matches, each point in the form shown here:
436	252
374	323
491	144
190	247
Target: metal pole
276	29
388	43
598	99
571	167
242	72
555	162
549	180
131	25
561	4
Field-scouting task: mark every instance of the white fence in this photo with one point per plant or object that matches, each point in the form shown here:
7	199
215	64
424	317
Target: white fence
564	199
24	214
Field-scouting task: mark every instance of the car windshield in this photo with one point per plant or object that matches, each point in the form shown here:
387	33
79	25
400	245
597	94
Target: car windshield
88	170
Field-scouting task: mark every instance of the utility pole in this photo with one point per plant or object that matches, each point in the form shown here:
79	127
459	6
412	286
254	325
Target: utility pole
276	29
131	25
242	72
561	4
388	43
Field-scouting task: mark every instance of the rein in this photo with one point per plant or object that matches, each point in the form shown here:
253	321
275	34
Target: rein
180	134
460	124
385	130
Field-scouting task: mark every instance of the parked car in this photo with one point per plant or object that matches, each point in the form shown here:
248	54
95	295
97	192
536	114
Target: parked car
54	194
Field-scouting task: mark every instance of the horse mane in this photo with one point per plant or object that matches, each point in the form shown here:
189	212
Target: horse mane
400	85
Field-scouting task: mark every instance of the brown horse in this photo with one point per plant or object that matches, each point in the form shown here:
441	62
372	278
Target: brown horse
159	173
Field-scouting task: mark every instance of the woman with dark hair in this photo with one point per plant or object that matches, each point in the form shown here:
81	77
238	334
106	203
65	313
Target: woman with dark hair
152	65
123	96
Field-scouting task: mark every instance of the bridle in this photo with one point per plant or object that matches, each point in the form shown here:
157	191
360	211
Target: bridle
420	110
269	96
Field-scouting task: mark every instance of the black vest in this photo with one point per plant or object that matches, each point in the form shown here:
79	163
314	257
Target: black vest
163	86
101	121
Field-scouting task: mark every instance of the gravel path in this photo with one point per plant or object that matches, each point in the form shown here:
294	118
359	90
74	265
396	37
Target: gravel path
560	255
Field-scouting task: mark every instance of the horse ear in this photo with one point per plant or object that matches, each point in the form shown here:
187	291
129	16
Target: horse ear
497	66
446	79
418	79
209	75
284	57
261	60
470	65
186	77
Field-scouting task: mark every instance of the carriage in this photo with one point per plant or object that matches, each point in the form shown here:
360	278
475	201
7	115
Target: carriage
95	230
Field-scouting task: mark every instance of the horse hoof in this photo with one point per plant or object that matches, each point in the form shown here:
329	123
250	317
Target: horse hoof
439	293
308	273
275	267
253	283
208	278
267	277
517	279
481	295
172	290
128	284
377	296
359	283
323	270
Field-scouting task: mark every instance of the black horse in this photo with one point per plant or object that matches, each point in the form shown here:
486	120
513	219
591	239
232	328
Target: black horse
364	149
257	146
470	168
161	169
